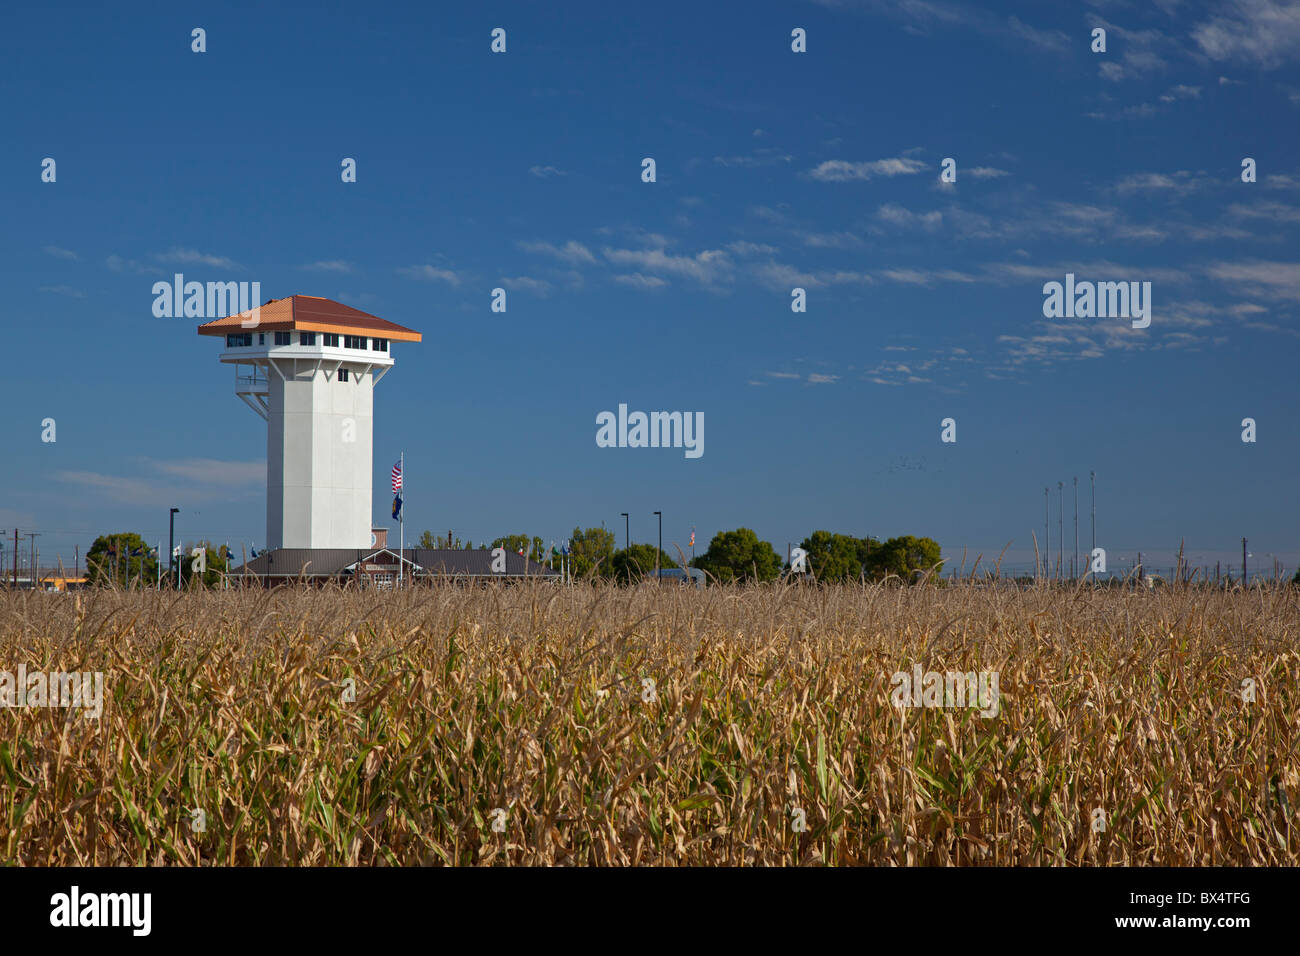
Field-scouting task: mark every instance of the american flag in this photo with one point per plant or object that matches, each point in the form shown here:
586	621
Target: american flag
397	478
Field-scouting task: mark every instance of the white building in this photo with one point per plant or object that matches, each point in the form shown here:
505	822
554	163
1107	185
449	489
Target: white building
309	366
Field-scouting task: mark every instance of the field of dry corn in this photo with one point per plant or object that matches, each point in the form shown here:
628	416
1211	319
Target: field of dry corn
540	724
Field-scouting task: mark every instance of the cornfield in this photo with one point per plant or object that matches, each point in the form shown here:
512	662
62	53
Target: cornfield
596	725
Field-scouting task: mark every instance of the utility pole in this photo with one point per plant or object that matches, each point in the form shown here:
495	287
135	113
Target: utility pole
1060	529
1244	581
15	559
1074	562
1092	478
626	525
1047	534
34	535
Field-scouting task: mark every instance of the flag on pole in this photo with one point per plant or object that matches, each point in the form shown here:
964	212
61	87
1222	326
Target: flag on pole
397	500
692	537
397	479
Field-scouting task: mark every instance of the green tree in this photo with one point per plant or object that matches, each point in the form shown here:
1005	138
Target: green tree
122	557
217	562
591	551
739	556
439	542
515	543
904	557
837	557
638	561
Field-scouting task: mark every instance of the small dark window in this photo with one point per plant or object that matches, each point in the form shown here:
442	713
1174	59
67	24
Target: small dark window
282	338
379	345
239	339
306	338
261	338
354	341
343	375
331	340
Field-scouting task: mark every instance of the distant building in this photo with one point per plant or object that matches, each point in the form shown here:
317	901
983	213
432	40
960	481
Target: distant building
377	568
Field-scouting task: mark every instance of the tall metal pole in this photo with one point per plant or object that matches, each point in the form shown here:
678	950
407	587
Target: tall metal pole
1074	562
171	546
1092	478
661	543
626	525
1244	575
15	559
1047	534
401	526
1060	528
33	535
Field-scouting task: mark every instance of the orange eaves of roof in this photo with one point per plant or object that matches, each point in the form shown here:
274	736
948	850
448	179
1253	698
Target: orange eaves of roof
311	313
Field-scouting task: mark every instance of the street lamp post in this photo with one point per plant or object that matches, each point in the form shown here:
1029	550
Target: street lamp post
171	545
626	524
661	543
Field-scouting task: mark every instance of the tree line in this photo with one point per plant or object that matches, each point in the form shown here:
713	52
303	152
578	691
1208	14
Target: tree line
732	556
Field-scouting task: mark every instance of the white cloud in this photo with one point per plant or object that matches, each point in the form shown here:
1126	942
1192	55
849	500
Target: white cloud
544	172
60	253
430	273
1181	92
1273	280
329	265
1263	33
840	170
899	216
639	281
743	248
536	286
572	252
213	471
194	257
707	267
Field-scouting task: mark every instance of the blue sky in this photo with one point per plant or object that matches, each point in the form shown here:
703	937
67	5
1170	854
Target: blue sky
774	170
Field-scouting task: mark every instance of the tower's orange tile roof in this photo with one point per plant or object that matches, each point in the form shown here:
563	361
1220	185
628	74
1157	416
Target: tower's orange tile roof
311	313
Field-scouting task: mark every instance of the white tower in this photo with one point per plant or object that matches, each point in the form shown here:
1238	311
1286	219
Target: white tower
308	366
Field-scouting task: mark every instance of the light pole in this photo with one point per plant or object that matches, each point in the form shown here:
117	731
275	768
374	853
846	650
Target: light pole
1092	478
1047	535
1074	561
1060	529
171	545
661	543
626	524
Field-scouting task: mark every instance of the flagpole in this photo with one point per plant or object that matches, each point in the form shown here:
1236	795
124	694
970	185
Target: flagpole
401	523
